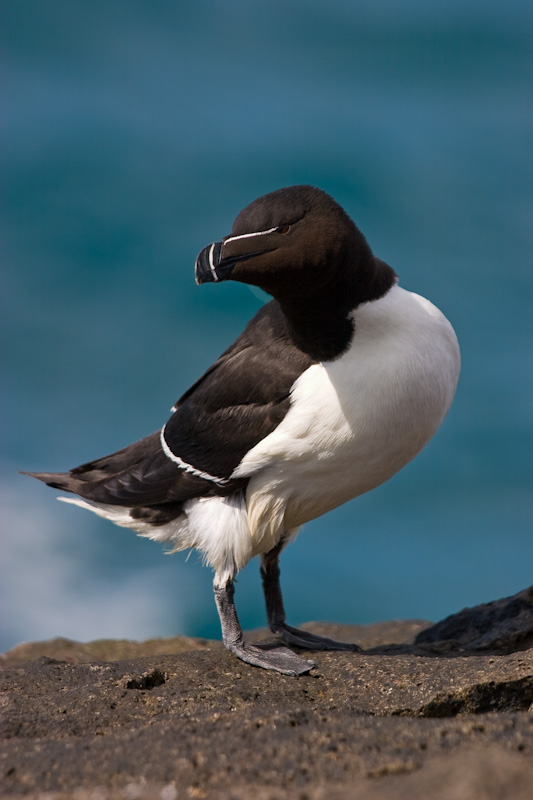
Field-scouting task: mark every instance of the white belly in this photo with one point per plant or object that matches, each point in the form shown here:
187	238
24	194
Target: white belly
356	421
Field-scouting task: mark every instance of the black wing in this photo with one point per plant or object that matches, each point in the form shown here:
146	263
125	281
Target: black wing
140	474
241	399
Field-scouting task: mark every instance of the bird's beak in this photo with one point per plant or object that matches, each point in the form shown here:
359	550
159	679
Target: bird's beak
216	261
208	264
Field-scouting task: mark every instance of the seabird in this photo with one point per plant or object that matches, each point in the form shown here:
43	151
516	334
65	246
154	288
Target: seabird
334	385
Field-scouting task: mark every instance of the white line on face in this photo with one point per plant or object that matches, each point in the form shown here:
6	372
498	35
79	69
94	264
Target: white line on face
247	235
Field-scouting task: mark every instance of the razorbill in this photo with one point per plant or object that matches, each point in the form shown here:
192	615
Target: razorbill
333	387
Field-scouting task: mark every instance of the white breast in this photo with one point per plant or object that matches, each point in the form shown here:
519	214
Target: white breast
356	421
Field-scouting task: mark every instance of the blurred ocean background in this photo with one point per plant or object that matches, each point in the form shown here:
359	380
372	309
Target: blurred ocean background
133	133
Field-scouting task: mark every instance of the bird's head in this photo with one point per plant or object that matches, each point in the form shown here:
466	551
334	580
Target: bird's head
291	241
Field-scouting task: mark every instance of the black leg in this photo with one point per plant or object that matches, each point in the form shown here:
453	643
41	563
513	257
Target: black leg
276	611
280	659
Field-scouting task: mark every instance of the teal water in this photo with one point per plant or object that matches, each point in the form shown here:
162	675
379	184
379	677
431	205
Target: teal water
134	132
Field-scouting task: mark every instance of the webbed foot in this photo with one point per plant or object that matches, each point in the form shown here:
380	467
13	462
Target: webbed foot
310	641
273	657
279	659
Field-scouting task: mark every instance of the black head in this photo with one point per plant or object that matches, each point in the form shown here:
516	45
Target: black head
301	247
293	239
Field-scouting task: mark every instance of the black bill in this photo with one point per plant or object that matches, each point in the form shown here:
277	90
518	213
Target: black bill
207	264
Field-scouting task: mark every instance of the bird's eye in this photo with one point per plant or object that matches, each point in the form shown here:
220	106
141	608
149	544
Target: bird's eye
283	229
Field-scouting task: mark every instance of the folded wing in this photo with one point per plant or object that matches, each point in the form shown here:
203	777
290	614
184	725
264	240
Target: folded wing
241	399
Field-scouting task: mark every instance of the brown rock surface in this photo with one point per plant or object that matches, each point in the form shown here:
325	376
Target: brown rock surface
399	720
102	649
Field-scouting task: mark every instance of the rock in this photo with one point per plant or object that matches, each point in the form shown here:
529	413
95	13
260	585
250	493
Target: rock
502	626
473	773
102	649
117	649
397	721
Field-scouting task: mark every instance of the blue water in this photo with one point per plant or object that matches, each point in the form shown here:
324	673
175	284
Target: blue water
134	132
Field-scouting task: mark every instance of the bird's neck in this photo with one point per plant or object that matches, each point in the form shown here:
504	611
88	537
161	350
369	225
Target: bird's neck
322	324
318	329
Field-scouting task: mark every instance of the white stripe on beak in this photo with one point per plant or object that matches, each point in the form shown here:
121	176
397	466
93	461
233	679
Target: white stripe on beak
211	265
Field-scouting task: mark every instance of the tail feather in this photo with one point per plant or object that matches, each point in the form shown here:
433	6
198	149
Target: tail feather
128	457
57	480
92	472
139	477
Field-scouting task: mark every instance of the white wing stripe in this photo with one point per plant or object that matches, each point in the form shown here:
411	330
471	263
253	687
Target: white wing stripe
187	467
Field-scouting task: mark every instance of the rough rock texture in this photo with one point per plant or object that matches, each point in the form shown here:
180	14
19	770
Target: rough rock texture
503	626
103	649
402	720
